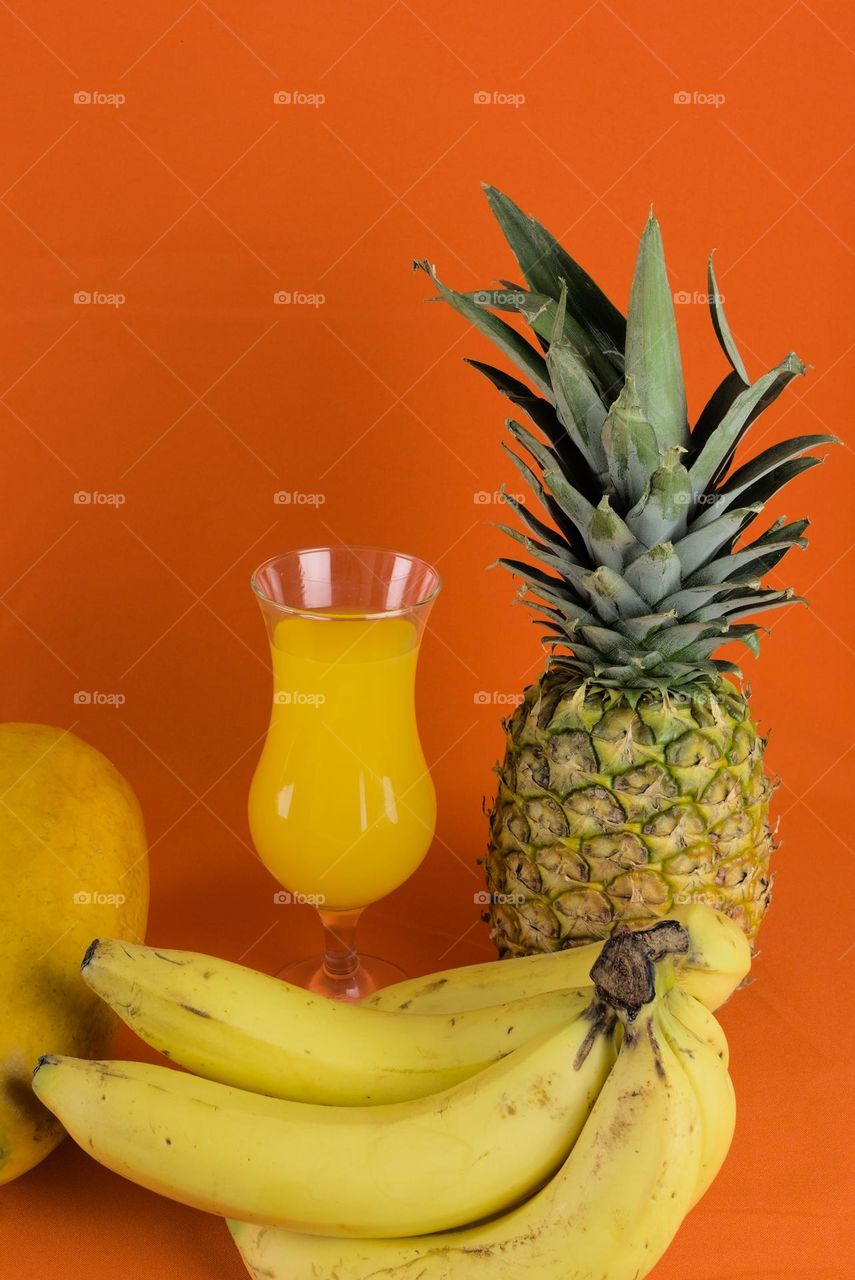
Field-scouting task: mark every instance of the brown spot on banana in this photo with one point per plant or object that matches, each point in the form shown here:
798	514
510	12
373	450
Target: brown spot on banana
200	1013
657	1055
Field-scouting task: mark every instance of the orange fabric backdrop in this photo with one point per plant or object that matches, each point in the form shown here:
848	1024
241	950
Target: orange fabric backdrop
195	197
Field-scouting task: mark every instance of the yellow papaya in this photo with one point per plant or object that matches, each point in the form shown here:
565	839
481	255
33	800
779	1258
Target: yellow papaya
73	866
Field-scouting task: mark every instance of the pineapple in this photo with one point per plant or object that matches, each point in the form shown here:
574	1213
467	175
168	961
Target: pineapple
633	777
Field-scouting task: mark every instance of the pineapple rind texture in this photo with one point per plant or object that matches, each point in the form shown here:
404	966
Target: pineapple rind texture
611	810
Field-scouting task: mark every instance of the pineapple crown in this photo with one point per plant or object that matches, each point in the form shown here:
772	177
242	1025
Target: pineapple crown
645	570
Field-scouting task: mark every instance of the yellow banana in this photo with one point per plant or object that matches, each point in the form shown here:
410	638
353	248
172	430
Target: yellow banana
698	1020
712	1084
393	1170
718	959
246	1029
611	1211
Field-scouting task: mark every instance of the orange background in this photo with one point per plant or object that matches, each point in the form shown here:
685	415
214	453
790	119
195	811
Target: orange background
197	399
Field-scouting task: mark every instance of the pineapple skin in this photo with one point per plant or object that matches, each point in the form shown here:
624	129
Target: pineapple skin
614	806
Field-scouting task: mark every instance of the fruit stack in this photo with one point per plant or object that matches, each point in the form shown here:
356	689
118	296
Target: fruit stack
552	1116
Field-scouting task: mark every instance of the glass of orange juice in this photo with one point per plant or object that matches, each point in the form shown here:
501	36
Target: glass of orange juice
342	808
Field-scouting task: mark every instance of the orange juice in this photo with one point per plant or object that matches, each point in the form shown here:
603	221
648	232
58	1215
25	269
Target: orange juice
342	807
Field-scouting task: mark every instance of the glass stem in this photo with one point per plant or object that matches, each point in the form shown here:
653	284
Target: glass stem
341	959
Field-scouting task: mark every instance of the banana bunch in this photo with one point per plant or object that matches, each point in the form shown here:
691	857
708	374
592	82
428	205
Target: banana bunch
339	1140
657	1136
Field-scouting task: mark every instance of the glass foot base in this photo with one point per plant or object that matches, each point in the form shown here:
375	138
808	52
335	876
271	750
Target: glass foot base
371	974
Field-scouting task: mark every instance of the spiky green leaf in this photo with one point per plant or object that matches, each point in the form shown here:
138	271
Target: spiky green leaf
714	412
754	560
778	479
572	574
643	626
652	348
506	338
611	542
612	596
631	449
579	407
655	574
545	263
661	514
543	414
765	474
784	598
610	643
543	454
744	410
553	539
747	635
722	328
700	546
739	606
552	589
568	529
572	503
685	602
682	639
573	613
559	327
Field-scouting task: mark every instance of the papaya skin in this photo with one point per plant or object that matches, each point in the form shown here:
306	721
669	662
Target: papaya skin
73	865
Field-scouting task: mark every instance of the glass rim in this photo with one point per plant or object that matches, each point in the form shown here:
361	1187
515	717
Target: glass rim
366	614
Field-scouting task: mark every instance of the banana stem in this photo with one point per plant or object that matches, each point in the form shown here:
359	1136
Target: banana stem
624	974
341	959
